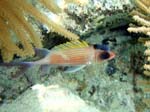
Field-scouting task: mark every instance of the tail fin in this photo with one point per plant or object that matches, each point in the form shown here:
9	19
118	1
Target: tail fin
41	53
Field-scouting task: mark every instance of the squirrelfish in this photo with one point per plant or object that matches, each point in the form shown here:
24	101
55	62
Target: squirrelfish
76	53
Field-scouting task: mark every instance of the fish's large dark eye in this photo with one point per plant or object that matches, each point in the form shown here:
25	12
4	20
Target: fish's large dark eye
104	55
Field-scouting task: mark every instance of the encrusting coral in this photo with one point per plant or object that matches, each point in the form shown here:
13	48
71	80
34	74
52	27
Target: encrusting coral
17	35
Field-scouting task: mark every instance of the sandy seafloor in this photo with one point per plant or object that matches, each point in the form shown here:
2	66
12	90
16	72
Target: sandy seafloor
110	86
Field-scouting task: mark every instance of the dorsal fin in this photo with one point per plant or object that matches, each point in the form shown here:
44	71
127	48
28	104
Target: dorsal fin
71	45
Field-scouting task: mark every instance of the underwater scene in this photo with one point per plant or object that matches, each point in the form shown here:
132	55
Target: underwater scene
74	55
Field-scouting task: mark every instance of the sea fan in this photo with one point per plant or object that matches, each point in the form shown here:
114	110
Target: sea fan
17	35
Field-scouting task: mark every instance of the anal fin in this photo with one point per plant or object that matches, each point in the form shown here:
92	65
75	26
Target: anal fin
73	69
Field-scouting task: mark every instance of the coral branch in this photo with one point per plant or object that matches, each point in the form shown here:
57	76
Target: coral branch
147	44
147	67
81	2
13	20
147	52
51	5
141	21
142	29
142	6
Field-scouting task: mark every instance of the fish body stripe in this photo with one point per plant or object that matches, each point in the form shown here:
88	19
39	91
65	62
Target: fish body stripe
74	56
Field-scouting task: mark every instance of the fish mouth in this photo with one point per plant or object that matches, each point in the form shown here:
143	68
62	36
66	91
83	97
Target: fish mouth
107	55
111	55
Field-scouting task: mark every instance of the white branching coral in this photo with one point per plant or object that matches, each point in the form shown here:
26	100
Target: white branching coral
142	16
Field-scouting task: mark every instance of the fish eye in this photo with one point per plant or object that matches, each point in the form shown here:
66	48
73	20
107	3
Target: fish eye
104	55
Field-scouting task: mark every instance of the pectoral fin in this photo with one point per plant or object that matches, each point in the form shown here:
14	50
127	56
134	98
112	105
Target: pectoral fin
73	69
41	52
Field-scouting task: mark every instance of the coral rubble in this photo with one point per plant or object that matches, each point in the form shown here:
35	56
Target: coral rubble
52	98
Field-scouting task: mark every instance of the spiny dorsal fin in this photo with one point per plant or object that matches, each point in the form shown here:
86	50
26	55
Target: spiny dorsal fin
71	45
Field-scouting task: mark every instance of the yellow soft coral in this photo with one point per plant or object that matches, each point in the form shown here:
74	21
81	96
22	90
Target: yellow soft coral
13	21
81	2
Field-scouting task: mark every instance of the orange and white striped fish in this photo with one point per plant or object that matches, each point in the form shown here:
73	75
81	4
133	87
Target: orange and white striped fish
75	53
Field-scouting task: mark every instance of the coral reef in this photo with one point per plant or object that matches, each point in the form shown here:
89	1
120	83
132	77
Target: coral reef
17	34
52	98
141	15
106	15
91	88
93	85
105	87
